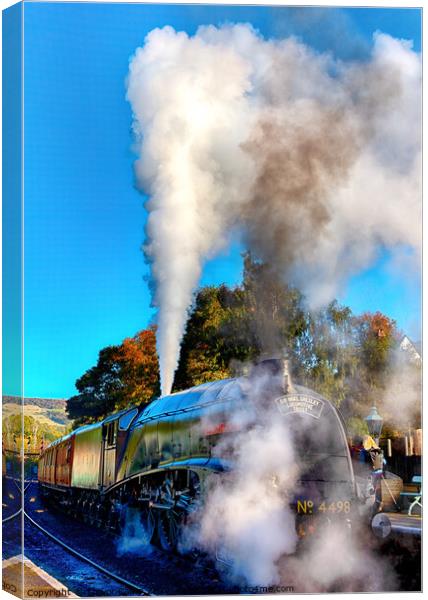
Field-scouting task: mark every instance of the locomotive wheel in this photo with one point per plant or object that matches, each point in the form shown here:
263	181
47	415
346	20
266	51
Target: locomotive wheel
168	528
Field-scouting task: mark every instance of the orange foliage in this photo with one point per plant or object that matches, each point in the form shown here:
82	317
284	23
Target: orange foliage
139	367
379	324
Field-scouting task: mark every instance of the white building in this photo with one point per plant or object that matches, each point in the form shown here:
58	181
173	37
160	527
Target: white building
411	349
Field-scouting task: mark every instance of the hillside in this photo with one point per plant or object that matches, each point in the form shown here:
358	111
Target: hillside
44	419
50	409
42	402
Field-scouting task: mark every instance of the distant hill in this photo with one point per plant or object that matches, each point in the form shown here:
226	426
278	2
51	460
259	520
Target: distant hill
45	419
51	409
54	403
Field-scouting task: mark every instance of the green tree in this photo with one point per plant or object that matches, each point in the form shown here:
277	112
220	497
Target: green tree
227	327
273	310
216	334
325	354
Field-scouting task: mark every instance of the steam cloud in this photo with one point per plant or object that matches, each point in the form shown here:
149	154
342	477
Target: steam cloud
135	538
246	516
315	163
246	520
338	562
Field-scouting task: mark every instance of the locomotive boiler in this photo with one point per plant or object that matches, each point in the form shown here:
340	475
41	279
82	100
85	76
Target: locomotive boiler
160	459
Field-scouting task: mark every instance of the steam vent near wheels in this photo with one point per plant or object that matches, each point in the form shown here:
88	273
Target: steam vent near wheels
212	356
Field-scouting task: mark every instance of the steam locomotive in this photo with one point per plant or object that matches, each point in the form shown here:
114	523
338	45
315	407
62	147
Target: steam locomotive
161	458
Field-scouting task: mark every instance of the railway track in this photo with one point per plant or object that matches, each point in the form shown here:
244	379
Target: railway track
10	517
189	573
134	588
125	582
185	562
20	489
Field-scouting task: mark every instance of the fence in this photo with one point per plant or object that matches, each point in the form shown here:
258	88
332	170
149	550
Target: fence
404	466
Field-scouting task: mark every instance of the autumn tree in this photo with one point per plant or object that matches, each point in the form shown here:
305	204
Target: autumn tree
124	375
375	343
377	336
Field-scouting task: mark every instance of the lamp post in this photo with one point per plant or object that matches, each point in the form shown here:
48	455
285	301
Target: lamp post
374	423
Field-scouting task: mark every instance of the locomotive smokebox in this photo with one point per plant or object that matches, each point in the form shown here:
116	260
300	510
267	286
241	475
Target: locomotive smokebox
277	369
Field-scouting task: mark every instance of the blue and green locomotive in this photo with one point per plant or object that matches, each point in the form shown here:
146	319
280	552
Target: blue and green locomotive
161	457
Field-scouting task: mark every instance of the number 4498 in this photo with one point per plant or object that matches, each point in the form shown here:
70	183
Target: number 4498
338	506
307	506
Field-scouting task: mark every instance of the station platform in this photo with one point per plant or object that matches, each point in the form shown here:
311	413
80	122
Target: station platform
22	578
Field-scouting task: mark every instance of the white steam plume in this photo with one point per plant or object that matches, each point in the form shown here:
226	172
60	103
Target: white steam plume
316	162
192	115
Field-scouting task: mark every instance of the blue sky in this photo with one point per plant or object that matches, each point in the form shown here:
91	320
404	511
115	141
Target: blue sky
84	220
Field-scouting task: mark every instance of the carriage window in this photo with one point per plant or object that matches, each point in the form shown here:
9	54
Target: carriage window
126	420
111	434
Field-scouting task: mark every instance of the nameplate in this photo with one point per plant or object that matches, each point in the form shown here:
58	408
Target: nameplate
300	403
